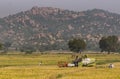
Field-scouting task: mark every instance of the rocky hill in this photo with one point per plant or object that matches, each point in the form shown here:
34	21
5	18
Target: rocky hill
47	28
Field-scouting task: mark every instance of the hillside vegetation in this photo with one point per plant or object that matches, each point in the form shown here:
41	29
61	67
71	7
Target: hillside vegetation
47	28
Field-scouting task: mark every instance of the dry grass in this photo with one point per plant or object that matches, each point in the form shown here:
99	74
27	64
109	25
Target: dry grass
26	67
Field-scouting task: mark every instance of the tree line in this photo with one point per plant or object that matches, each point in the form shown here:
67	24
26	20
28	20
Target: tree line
108	44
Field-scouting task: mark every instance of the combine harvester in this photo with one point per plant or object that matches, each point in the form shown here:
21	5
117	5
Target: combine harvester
83	61
89	62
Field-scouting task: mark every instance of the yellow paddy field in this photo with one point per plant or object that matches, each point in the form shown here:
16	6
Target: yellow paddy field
18	66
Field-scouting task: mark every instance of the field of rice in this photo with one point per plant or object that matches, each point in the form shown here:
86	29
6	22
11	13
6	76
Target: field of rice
20	66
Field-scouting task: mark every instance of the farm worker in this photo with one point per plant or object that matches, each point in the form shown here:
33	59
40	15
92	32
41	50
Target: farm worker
111	65
76	61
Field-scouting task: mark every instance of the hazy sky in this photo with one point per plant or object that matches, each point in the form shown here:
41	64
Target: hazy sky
14	6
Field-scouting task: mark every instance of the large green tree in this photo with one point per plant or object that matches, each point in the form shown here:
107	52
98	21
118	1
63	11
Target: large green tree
109	44
76	45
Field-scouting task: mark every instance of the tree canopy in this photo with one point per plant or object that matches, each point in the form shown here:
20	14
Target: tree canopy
109	44
76	45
